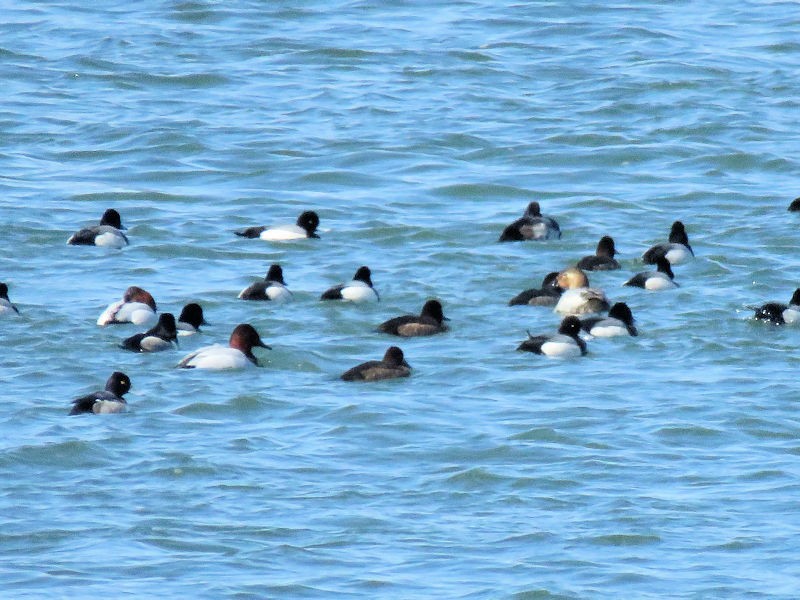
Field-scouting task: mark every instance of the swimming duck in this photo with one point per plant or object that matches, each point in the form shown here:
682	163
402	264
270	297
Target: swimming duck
238	354
547	295
107	401
305	227
565	343
6	308
531	226
107	233
662	279
158	338
392	365
578	298
618	322
602	259
190	319
780	314
428	322
676	251
136	306
273	288
358	290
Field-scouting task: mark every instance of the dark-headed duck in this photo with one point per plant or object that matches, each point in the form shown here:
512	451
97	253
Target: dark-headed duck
392	365
565	343
603	257
547	295
160	337
6	308
778	313
676	251
532	225
107	233
272	288
190	319
107	401
428	322
618	322
358	290
305	227
661	279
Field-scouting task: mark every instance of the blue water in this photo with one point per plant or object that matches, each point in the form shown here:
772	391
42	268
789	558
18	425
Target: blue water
659	466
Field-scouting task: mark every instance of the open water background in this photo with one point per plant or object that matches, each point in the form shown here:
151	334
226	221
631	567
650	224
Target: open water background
659	466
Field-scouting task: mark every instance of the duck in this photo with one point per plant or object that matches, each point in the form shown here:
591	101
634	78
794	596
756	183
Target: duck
238	354
578	298
603	257
190	319
392	365
106	401
6	308
618	322
547	295
305	227
358	290
779	314
795	205
107	233
273	288
676	251
661	279
532	225
159	337
565	343
428	322
136	306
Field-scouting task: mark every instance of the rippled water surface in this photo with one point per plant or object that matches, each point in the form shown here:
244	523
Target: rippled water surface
659	466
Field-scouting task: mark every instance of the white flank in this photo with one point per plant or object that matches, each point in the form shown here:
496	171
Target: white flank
358	291
216	357
153	343
791	315
108	407
558	349
283	234
677	254
110	239
608	330
185	329
278	293
659	281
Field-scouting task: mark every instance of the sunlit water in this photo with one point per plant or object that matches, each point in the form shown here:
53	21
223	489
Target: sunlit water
658	466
